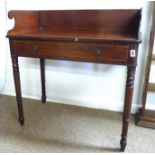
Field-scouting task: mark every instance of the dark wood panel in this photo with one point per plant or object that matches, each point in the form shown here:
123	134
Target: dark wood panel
30	21
115	53
106	20
71	51
107	23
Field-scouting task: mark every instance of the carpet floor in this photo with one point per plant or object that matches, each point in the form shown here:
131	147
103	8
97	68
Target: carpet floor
53	127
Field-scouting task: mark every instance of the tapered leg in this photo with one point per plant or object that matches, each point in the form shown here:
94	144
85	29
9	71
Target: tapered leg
42	70
127	105
18	88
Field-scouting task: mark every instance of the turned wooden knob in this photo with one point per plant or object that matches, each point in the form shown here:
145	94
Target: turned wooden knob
35	49
98	52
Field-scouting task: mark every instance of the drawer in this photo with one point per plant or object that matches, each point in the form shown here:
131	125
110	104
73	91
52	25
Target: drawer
113	53
55	50
95	52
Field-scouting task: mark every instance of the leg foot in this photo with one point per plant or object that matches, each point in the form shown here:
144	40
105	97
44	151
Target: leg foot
123	144
44	99
21	120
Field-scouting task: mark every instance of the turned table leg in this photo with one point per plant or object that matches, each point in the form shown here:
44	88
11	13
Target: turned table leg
127	106
42	70
18	88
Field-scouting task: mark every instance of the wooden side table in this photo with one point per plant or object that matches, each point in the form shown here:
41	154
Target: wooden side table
99	36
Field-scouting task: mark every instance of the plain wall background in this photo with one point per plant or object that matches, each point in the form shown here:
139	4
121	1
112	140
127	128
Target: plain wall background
83	84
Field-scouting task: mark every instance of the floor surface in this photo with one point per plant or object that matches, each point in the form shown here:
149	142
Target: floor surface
54	127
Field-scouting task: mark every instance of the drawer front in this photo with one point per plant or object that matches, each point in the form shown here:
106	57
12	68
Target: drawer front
55	50
113	53
95	52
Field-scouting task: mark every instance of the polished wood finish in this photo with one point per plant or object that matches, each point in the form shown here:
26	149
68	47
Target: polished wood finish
116	25
99	36
93	52
143	117
42	71
18	88
131	68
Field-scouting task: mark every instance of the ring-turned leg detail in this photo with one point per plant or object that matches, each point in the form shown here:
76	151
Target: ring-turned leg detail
18	88
127	106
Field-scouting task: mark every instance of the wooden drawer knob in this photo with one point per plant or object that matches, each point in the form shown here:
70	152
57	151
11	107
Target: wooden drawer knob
35	49
98	52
